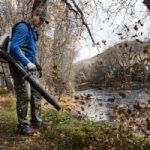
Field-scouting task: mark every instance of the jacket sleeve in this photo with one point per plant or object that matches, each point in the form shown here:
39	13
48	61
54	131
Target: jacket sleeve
19	36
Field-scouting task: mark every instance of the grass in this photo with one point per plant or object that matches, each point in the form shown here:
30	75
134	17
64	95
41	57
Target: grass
65	132
4	92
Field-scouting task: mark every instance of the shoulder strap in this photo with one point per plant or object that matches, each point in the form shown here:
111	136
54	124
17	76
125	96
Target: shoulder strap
27	24
12	30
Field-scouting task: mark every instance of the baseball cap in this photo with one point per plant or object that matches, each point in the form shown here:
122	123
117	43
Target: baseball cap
43	15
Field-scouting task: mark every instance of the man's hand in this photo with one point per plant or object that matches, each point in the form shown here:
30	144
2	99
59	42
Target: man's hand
31	66
39	69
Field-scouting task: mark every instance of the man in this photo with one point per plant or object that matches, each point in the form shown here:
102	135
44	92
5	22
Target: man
23	48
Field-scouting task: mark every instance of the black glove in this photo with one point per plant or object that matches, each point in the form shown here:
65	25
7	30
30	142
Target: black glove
39	69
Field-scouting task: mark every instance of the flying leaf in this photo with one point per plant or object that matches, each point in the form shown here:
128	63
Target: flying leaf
119	34
137	40
120	46
55	67
139	21
126	45
127	28
134	36
82	108
130	50
135	27
121	37
104	42
97	43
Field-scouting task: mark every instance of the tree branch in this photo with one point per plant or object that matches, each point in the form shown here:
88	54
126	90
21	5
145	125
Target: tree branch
70	7
147	3
79	12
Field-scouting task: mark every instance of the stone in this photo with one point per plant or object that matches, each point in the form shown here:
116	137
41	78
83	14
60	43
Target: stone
111	99
122	94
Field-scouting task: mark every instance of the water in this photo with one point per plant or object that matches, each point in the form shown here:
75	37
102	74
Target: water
100	107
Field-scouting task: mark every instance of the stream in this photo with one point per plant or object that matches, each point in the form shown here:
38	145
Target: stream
99	107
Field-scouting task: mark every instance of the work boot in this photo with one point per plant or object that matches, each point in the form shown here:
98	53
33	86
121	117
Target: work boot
26	130
39	124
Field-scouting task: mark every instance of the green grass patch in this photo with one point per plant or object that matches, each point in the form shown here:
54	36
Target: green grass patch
67	132
72	132
4	92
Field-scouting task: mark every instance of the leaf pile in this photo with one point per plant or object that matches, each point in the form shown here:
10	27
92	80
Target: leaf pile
67	103
65	132
135	116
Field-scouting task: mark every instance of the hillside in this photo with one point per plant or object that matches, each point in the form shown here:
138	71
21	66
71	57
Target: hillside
133	46
125	56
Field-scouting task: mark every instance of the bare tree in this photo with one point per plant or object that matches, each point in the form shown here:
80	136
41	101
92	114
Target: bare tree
68	21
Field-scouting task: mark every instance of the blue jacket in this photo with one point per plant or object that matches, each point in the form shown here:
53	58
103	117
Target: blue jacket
23	43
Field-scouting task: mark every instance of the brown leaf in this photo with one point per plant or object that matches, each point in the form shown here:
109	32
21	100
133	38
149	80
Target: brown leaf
145	133
120	46
46	103
129	111
55	67
126	45
137	106
82	102
119	34
104	42
127	28
89	105
62	135
148	123
135	27
121	37
54	72
97	43
137	40
129	141
139	21
134	36
82	108
79	112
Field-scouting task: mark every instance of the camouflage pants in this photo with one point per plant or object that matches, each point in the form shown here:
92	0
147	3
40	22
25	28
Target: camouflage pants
26	94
